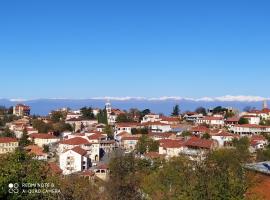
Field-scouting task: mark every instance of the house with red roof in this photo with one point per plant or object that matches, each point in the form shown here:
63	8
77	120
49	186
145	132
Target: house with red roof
126	127
37	152
196	148
83	142
158	127
257	142
128	143
224	138
249	129
74	160
42	139
171	148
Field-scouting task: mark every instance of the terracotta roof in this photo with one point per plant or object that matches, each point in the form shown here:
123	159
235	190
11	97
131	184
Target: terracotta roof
102	166
128	124
161	135
249	116
257	137
158	123
251	126
167	143
202	129
79	150
198	142
123	133
225	134
170	119
131	137
36	150
55	168
42	136
75	141
212	118
7	140
232	119
96	136
88	173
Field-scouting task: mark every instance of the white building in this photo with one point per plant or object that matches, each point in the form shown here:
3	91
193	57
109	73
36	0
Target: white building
192	116
151	118
42	139
74	160
93	149
224	138
8	145
252	119
157	127
211	121
249	129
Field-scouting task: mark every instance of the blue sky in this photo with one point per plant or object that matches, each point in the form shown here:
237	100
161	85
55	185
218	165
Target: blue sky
149	48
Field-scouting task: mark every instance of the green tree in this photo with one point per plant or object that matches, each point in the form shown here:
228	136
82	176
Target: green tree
41	126
46	148
201	110
186	133
87	113
19	167
243	121
123	118
146	144
60	127
242	146
24	140
109	131
102	117
57	116
206	136
7	133
144	112
263	155
123	183
176	111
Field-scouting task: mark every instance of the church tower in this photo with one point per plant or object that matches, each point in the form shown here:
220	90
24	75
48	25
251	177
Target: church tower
265	104
108	108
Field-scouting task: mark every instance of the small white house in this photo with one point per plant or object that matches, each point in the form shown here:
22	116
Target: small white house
74	160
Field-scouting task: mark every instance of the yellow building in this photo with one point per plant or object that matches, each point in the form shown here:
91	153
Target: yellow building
8	145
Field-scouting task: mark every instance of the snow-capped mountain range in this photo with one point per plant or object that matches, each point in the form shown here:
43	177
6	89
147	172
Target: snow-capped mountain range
156	104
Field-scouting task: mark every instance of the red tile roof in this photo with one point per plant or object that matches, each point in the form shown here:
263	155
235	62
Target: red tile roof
251	126
167	143
232	119
79	150
36	150
55	168
202	129
198	142
96	136
7	140
75	141
42	136
132	137
128	124
212	118
161	135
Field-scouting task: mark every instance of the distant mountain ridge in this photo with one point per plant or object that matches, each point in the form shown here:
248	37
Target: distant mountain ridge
158	105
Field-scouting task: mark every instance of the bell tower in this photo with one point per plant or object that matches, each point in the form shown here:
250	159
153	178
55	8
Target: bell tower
265	104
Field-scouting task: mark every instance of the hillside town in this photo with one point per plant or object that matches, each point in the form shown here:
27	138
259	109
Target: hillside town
83	142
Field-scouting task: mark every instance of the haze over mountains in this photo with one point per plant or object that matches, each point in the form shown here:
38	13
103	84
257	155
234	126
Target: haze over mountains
158	105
